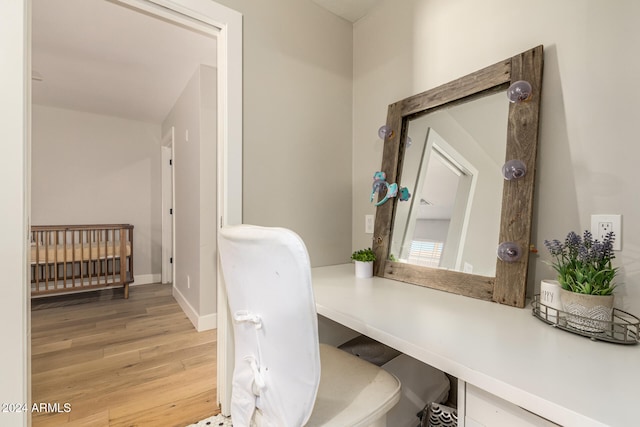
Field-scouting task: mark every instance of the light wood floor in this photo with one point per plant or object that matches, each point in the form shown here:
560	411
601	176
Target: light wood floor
117	362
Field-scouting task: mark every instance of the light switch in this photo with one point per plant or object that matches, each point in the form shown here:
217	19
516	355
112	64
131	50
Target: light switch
368	224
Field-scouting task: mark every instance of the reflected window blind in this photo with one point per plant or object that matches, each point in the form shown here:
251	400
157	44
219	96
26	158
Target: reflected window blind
425	252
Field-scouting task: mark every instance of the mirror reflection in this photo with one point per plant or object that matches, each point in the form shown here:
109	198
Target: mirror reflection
451	165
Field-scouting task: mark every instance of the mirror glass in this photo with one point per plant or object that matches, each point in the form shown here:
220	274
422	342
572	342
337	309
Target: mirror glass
451	166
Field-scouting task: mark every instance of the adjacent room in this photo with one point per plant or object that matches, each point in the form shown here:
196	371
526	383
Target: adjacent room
123	163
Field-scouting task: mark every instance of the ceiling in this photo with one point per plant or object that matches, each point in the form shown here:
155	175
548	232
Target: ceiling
100	57
351	10
104	58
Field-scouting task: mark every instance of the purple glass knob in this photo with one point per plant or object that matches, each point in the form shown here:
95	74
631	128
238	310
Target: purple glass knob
509	251
519	91
514	169
385	131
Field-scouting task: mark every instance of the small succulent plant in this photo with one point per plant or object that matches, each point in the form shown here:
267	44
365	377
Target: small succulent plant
364	255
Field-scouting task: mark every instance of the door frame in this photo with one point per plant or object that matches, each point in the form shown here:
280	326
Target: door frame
15	25
168	196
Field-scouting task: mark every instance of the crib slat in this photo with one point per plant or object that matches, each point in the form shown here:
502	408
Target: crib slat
112	279
46	259
105	272
73	259
96	264
80	258
56	265
108	279
45	236
92	271
64	256
81	238
98	267
52	273
44	272
123	261
113	259
36	269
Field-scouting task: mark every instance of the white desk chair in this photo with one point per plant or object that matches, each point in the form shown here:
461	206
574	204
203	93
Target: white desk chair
277	380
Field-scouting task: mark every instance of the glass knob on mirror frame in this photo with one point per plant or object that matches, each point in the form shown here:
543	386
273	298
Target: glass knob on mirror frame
509	251
519	91
385	131
514	169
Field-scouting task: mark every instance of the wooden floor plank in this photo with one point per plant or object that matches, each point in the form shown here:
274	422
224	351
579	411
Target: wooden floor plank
117	362
48	347
169	415
42	361
49	381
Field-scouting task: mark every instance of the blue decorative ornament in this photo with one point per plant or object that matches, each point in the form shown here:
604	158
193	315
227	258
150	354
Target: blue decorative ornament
404	194
380	180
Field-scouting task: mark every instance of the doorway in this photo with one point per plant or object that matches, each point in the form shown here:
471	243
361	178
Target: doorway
229	42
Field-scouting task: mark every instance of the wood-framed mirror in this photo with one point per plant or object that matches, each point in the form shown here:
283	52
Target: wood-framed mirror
506	284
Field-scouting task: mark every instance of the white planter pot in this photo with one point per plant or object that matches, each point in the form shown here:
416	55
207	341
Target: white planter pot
550	299
364	270
590	313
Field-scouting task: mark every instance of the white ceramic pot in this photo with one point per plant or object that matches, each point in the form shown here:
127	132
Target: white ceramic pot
364	270
589	313
550	299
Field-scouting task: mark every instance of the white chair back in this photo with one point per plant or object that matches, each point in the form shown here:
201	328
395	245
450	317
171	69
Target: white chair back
277	361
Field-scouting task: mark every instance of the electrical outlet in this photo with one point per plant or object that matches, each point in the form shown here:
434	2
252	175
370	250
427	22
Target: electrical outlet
603	224
604	228
368	224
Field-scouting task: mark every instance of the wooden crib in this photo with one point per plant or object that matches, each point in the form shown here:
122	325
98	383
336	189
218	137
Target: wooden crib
72	258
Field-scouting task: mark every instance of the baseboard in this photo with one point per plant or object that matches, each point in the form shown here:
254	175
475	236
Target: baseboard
145	279
201	323
207	322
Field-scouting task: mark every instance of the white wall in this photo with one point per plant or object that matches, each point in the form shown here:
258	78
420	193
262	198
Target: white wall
94	169
587	152
194	168
14	225
297	123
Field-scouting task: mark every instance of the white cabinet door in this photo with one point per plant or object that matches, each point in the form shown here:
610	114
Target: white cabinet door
483	409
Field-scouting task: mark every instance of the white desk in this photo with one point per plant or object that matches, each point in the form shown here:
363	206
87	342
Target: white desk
563	377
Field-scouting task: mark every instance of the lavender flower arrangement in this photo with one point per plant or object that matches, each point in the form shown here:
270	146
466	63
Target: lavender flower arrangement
584	264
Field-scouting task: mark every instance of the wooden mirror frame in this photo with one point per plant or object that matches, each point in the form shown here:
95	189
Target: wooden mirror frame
509	284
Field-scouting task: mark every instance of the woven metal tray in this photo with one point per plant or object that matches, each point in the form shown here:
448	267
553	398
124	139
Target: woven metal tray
624	328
